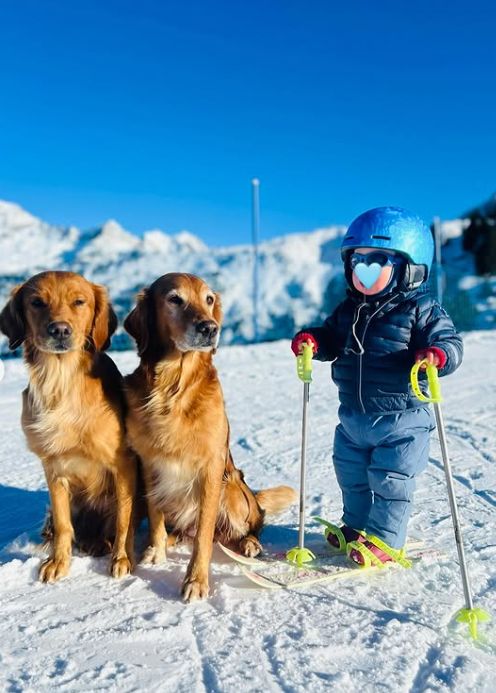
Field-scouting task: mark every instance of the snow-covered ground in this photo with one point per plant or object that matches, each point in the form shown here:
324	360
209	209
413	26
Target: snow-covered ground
382	632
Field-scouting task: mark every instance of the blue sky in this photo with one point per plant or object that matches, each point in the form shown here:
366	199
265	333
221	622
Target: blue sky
159	113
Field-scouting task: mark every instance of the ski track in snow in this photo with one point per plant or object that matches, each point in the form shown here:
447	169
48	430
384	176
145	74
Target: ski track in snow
383	632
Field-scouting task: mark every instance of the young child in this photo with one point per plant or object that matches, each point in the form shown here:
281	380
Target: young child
387	323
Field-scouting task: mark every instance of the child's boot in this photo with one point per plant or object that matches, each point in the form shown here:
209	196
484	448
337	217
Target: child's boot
339	537
369	551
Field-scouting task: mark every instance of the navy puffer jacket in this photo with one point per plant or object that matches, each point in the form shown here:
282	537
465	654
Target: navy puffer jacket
373	344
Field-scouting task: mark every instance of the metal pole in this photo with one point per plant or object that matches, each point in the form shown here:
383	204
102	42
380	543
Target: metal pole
301	532
439	270
454	509
255	228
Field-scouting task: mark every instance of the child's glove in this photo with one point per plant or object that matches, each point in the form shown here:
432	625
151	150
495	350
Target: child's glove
303	338
433	355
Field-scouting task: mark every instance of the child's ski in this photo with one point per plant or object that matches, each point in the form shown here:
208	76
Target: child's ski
272	570
281	574
269	557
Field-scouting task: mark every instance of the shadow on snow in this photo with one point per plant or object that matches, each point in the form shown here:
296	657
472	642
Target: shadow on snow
21	511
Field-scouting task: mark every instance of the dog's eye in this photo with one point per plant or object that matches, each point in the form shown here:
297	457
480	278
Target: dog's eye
79	302
38	303
175	298
210	300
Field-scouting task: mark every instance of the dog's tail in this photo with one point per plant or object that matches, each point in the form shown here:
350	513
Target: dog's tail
275	500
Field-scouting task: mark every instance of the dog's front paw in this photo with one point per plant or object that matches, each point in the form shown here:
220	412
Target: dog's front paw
54	569
250	546
194	588
120	566
154	555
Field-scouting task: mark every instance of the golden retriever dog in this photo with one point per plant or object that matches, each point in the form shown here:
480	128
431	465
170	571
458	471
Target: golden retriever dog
178	426
74	416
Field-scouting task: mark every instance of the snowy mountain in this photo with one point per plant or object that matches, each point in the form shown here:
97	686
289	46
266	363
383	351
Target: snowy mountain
300	274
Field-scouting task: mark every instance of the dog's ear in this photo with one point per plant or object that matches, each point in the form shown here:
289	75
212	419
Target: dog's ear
104	321
218	315
137	323
12	321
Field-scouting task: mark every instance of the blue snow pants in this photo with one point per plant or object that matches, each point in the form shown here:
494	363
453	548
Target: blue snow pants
376	459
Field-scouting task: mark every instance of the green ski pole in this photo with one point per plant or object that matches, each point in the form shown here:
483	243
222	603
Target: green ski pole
470	614
299	554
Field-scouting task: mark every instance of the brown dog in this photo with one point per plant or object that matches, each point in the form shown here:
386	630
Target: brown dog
73	415
178	426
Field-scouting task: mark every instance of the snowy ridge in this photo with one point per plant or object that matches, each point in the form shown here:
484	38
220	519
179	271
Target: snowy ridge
28	245
300	274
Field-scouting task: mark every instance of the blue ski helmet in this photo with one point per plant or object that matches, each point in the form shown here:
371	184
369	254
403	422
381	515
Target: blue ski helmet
394	228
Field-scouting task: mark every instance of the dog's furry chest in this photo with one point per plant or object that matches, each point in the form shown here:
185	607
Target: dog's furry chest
170	433
70	427
174	488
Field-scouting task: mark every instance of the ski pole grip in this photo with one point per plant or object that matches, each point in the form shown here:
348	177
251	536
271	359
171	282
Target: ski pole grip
304	363
432	379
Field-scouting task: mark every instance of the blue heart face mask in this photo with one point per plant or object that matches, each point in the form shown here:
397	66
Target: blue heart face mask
368	274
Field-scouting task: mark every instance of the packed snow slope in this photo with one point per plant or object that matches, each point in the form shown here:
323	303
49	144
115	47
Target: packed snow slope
386	631
301	275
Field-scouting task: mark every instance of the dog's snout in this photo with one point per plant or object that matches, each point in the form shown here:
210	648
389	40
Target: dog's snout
59	330
207	328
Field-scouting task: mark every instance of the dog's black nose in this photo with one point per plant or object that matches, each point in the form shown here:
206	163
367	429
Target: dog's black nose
207	328
59	330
